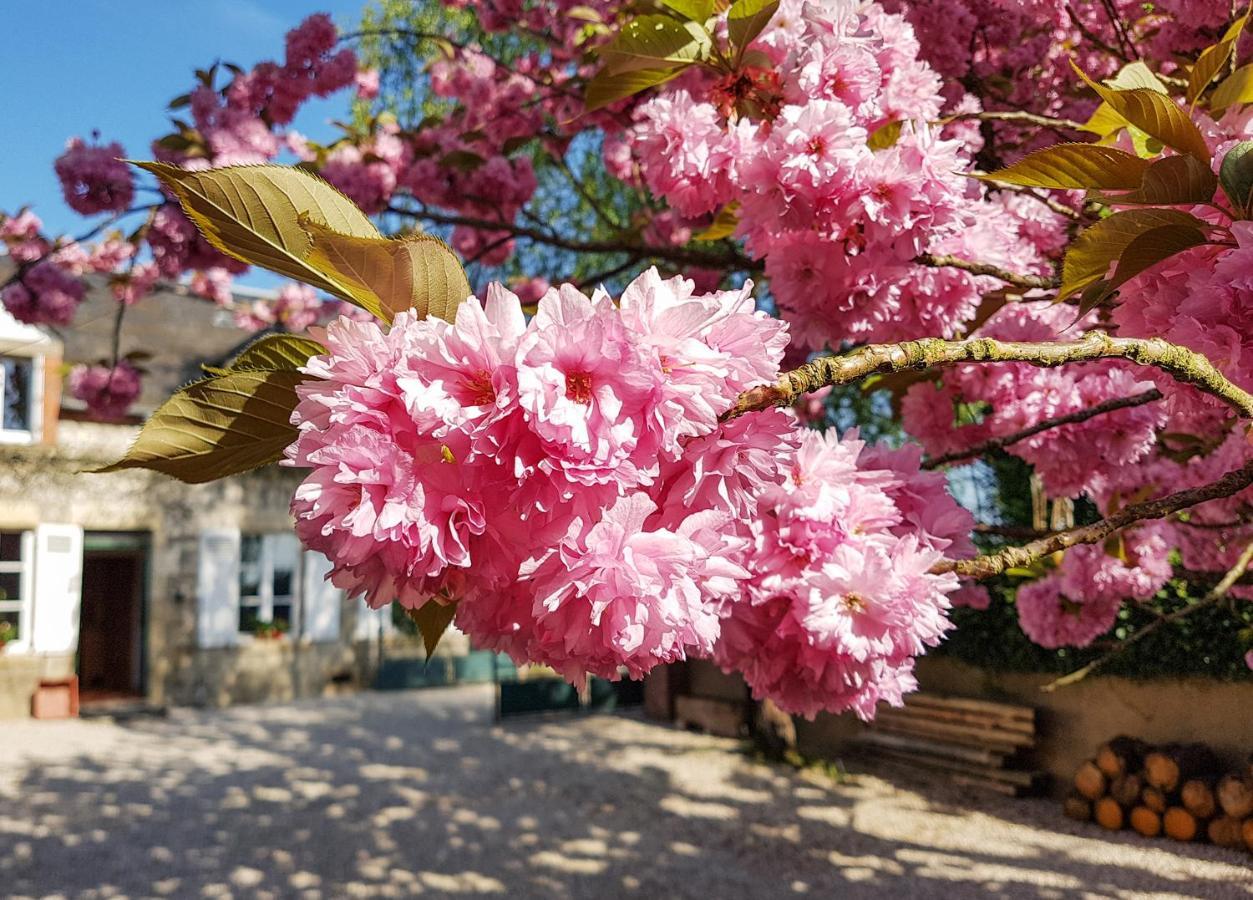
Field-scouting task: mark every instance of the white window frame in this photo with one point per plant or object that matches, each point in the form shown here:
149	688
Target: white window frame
264	599
25	603
35	416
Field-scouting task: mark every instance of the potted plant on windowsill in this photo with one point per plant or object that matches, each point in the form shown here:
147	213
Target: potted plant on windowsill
7	633
270	631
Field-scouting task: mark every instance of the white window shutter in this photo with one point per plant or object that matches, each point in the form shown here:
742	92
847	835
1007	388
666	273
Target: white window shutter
58	588
321	599
217	588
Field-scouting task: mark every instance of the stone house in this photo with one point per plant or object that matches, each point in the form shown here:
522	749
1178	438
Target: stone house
149	590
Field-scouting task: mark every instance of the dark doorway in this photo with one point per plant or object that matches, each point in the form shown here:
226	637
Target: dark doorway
111	622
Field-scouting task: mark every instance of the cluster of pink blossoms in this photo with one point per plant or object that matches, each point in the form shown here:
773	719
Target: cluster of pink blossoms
107	390
837	221
94	179
567	482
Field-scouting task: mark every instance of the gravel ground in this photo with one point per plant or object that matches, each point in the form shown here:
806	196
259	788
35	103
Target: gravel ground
391	795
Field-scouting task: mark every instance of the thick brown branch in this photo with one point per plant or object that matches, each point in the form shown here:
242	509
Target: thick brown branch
933	353
998	443
1011	557
1212	598
1027	282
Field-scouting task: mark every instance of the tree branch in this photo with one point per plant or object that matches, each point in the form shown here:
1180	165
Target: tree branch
1019	116
932	353
998	443
1212	598
1011	557
1027	282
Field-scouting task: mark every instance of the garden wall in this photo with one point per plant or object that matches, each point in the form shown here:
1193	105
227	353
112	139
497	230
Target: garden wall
1071	722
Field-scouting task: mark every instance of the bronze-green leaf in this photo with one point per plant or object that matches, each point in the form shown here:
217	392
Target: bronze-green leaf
885	136
723	225
1235	88
692	10
1150	248
1075	166
432	618
224	425
275	352
252	212
746	19
1091	254
1212	60
388	275
606	87
1155	114
650	42
1170	181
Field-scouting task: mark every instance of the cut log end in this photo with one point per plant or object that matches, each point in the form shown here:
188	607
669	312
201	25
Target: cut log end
1225	831
1090	781
1077	807
1235	795
1246	832
1168	767
1197	797
1154	799
1126	789
1109	814
1180	825
1120	755
1146	822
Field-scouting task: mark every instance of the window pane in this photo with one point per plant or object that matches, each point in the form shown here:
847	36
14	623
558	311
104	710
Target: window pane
282	615
10	622
10	585
249	618
285	550
10	546
15	404
250	566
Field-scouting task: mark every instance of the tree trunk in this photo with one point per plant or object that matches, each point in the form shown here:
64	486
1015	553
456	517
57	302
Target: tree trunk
1090	781
1197	797
1235	796
1169	767
1120	756
1077	807
1109	814
1180	824
1226	832
1146	822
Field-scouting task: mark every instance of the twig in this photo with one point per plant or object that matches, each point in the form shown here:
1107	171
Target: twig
1027	282
1212	598
1014	115
1011	557
998	443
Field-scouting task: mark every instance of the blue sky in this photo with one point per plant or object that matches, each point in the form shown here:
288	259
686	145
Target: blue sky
112	66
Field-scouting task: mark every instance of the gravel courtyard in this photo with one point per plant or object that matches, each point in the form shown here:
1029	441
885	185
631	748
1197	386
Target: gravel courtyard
390	795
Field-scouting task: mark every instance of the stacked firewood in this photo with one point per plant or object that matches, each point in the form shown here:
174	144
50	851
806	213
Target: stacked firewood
1180	791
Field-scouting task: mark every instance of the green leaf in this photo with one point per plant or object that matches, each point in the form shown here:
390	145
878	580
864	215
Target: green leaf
386	275
649	41
606	88
1091	253
273	352
432	619
223	425
1236	175
1170	181
1137	75
692	10
1150	248
1155	114
1212	60
748	18
1075	166
1235	88
885	136
723	225
252	212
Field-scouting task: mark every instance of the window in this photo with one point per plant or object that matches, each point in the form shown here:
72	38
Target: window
15	555
268	564
17	397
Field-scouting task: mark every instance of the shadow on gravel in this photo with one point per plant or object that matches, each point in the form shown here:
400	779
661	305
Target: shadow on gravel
397	794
